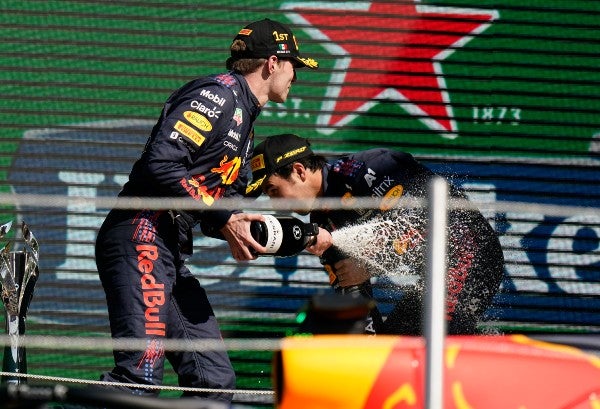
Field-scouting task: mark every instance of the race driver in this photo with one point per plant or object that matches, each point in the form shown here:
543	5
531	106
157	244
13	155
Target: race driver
284	166
199	149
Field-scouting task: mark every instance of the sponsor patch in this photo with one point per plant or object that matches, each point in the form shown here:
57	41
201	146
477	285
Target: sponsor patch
216	98
235	135
198	120
290	154
209	112
152	291
237	116
231	146
190	133
392	197
257	163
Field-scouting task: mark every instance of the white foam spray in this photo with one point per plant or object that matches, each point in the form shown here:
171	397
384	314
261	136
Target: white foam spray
388	244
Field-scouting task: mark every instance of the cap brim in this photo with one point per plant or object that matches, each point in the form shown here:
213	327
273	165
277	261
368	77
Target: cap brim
306	62
254	189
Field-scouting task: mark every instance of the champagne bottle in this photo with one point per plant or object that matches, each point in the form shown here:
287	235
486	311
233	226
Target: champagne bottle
283	236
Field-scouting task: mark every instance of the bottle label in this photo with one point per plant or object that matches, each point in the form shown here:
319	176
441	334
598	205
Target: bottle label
274	234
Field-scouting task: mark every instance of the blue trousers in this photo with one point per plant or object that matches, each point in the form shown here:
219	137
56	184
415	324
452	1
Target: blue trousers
151	295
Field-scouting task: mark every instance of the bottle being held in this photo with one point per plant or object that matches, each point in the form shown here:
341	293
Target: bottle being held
283	236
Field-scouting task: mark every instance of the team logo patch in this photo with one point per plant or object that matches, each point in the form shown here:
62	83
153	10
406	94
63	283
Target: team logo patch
228	169
198	120
245	31
190	133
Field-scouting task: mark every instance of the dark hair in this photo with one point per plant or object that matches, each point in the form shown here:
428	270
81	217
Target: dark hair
312	162
244	65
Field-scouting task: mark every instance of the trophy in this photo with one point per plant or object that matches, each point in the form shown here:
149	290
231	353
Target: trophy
18	275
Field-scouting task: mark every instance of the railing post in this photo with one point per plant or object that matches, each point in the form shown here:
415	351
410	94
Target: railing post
434	317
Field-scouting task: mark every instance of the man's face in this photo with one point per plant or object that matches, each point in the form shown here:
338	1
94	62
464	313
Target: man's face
294	187
283	76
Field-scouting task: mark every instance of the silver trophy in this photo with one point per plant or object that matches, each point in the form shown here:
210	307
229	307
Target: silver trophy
18	275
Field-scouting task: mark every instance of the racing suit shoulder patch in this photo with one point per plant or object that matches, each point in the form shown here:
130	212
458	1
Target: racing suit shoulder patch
198	120
189	133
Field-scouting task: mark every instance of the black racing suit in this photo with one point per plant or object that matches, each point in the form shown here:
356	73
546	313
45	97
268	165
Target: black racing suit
200	149
475	260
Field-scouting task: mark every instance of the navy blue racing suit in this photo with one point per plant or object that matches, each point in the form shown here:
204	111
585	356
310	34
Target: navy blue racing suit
475	259
200	149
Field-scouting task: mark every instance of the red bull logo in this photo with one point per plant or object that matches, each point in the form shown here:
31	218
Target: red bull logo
229	170
197	190
152	292
196	187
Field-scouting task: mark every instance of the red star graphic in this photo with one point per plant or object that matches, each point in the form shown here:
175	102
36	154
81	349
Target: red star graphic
388	51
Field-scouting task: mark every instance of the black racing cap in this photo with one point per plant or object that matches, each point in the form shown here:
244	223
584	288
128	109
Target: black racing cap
272	154
267	37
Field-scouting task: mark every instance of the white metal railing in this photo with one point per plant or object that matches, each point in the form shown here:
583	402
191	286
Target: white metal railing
434	319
